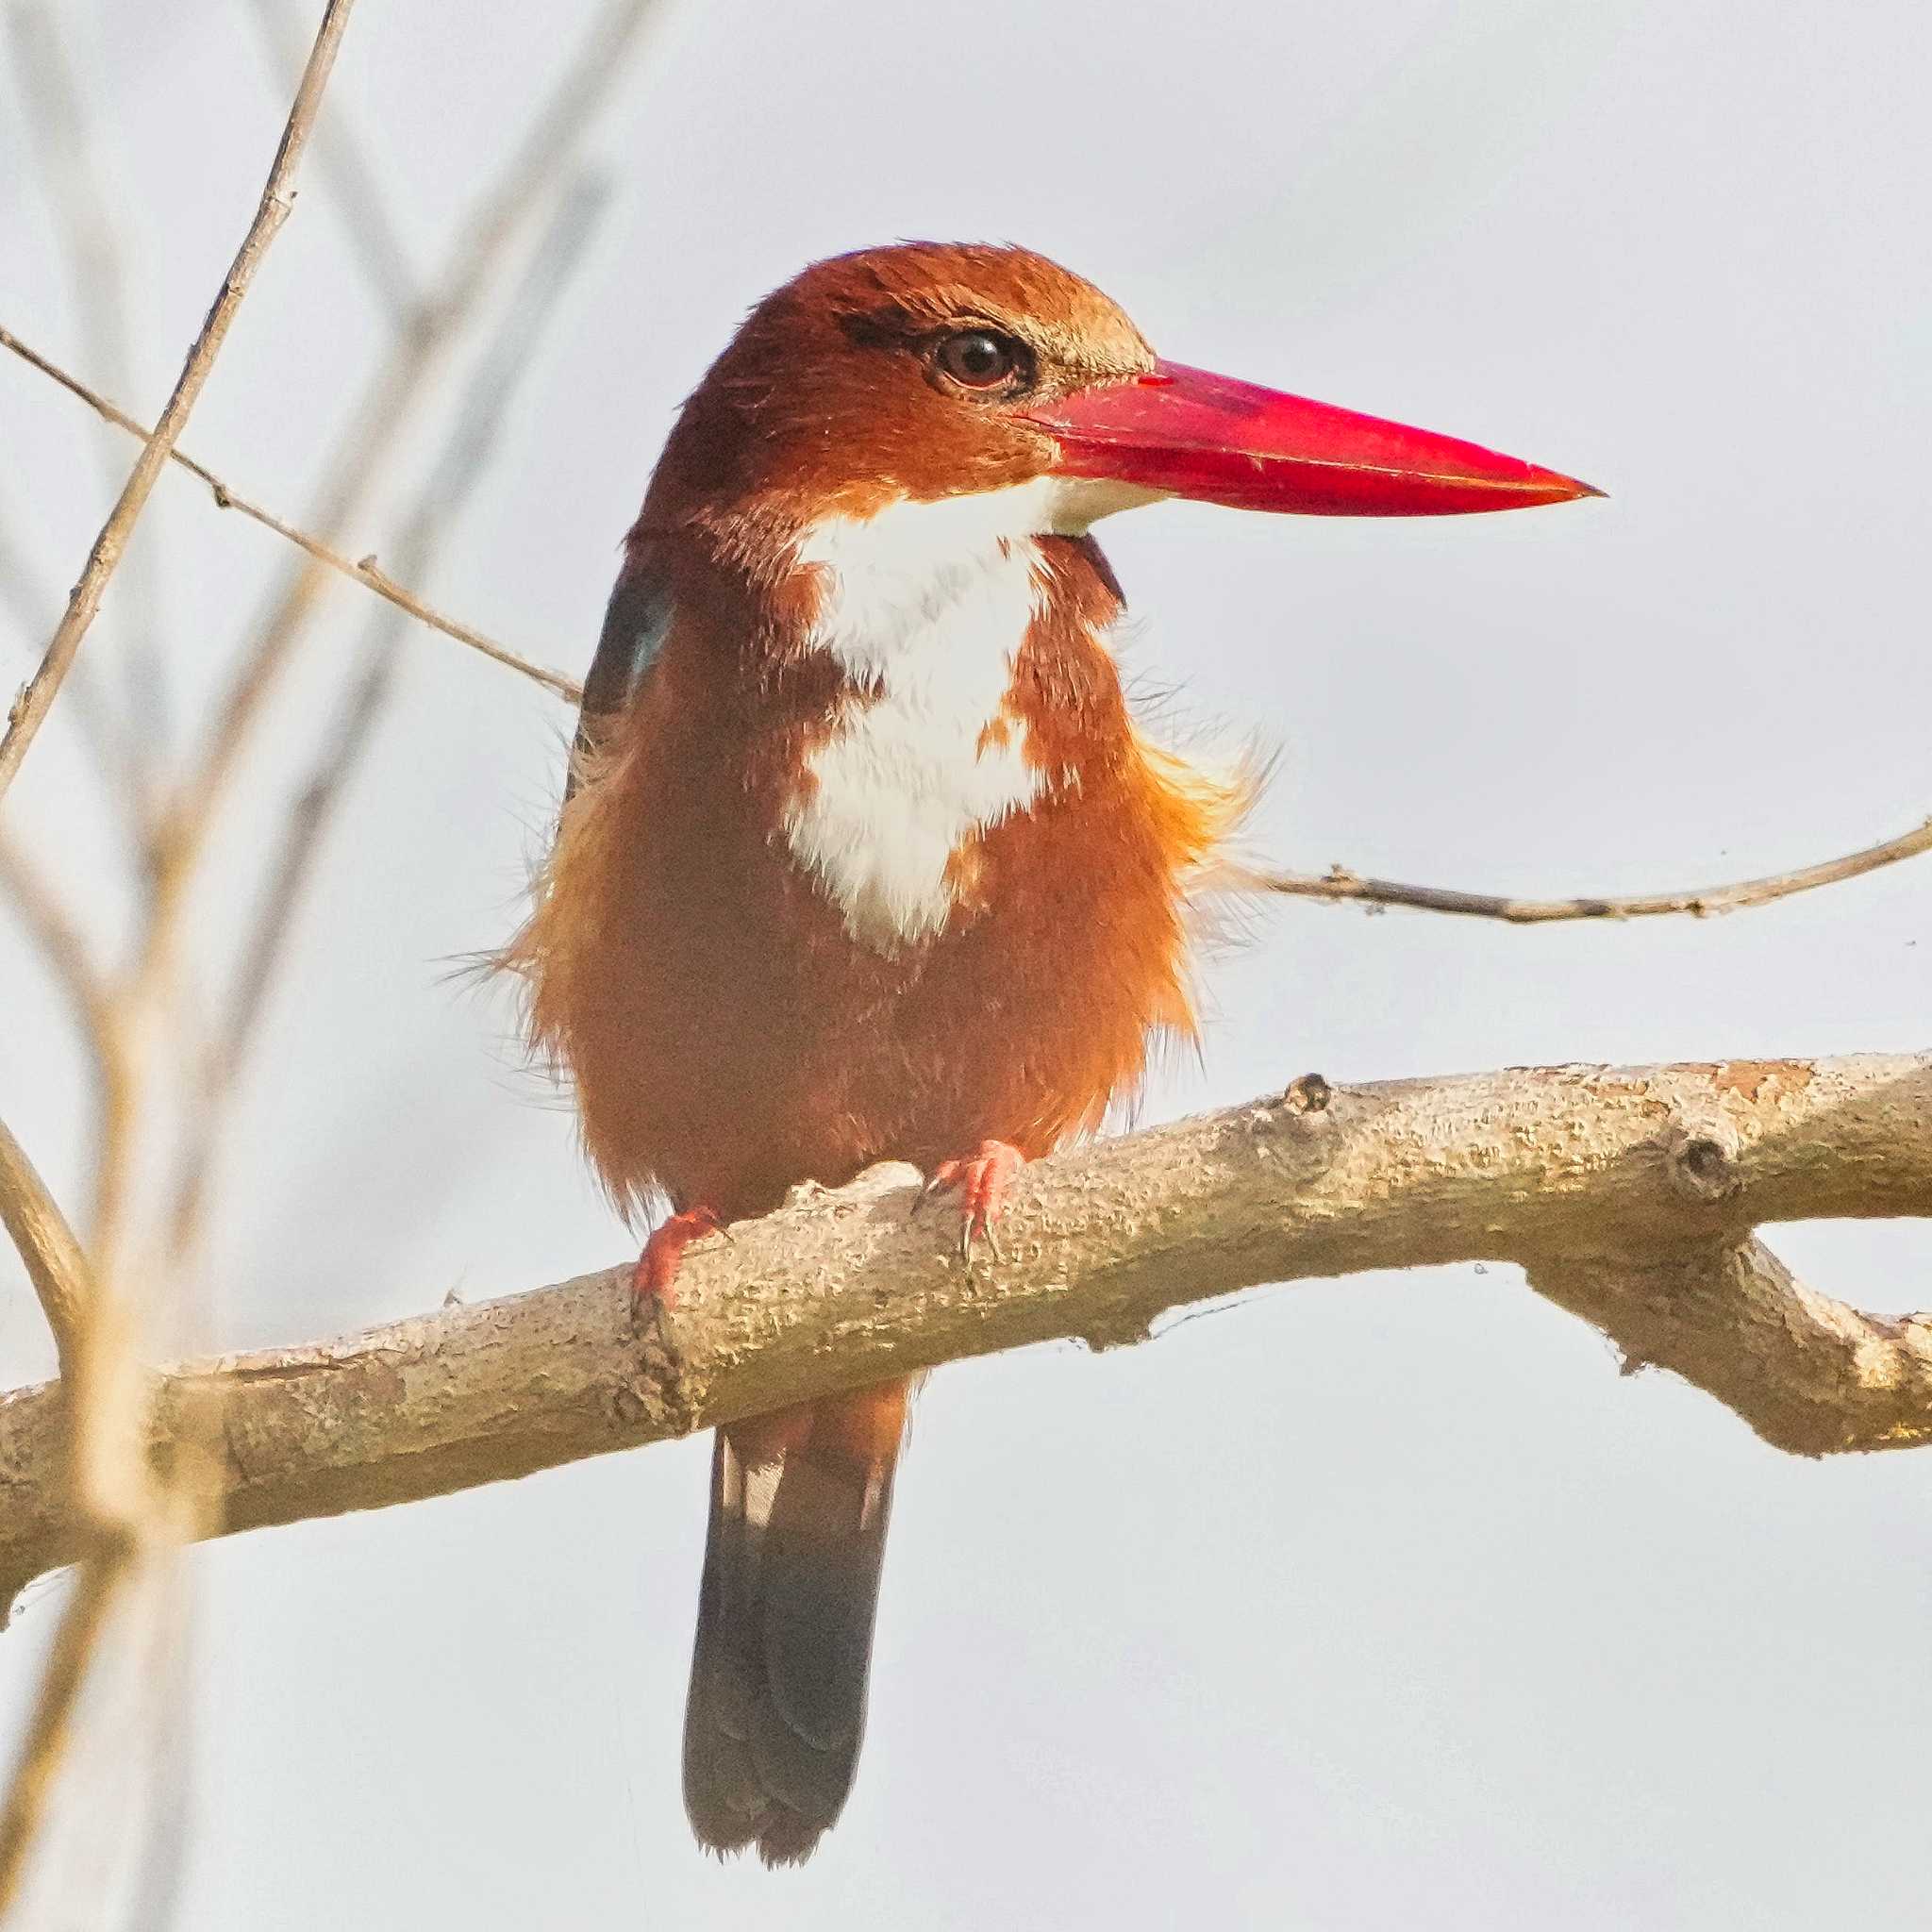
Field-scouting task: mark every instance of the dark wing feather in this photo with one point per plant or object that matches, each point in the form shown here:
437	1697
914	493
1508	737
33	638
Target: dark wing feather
636	623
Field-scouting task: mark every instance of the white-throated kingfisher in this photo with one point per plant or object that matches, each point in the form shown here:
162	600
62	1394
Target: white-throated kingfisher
865	858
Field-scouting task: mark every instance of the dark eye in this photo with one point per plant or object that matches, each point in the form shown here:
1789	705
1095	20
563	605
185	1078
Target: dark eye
979	358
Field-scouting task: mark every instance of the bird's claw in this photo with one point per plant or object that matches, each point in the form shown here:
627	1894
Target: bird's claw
980	1180
653	1281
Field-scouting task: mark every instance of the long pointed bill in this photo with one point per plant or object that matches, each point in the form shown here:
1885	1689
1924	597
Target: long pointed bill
1191	434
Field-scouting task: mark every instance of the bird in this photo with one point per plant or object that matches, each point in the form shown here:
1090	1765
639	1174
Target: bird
865	855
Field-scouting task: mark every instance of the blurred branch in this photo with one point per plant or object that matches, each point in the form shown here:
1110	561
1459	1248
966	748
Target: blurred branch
112	1507
51	1721
277	198
50	919
364	573
353	182
361	454
56	114
1629	1196
102	1471
97	1468
465	463
1340	884
426	337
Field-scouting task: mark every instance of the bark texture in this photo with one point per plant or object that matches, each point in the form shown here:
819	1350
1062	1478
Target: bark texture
1629	1196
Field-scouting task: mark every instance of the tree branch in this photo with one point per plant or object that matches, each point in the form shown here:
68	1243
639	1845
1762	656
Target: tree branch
46	1246
277	198
96	1470
1627	1194
1338	883
363	572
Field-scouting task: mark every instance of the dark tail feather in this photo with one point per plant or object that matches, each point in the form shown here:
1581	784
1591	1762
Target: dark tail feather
776	1710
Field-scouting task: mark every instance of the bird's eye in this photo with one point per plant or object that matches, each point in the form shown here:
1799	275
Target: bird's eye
979	359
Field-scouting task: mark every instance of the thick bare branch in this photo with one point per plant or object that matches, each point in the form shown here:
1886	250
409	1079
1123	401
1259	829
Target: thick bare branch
1628	1195
278	199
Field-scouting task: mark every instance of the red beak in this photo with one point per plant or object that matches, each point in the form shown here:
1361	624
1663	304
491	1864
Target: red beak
1191	434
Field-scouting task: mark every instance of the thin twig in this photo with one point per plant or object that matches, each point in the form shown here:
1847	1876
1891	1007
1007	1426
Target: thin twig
55	1263
1704	901
29	595
364	572
278	199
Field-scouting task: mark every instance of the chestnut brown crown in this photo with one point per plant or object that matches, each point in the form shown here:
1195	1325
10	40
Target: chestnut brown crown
893	372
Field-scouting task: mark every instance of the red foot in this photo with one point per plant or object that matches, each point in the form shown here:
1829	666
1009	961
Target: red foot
980	1179
654	1285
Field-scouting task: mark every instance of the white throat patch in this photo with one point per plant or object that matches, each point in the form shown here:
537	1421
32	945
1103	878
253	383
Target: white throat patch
925	606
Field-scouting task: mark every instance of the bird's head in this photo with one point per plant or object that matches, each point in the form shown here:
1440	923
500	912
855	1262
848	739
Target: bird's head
925	370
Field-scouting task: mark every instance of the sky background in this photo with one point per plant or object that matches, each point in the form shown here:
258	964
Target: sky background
1370	1603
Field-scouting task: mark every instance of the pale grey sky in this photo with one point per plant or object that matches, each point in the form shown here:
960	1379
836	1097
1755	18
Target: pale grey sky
1386	1602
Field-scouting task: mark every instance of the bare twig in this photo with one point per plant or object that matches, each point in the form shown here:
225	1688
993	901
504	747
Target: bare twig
1341	884
1627	1194
54	1261
106	733
363	572
277	198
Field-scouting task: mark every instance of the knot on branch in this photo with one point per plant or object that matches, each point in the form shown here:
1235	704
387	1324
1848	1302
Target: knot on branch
1307	1093
1702	1161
